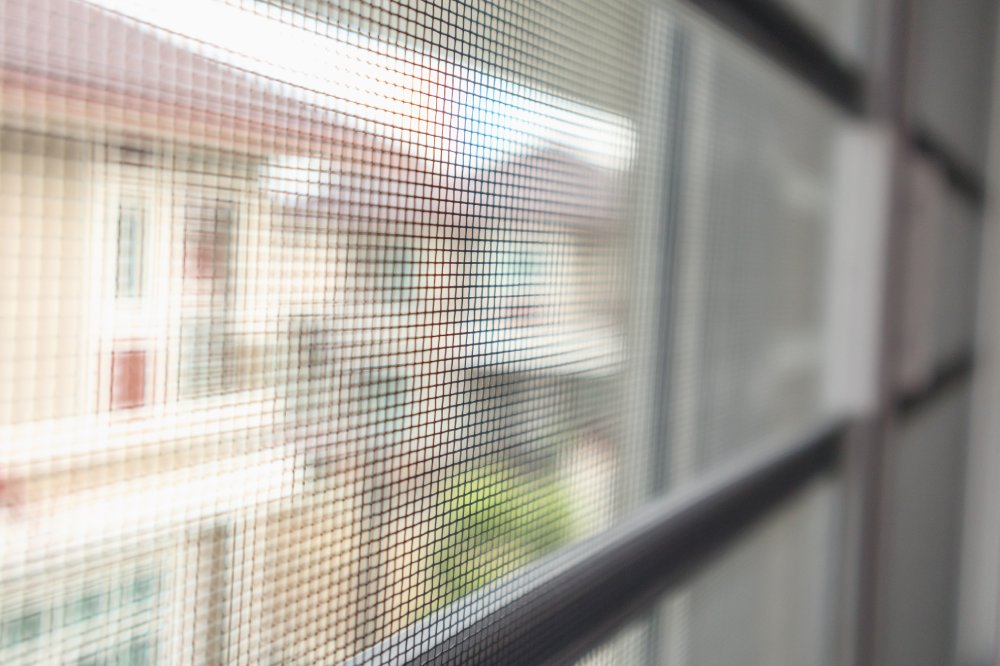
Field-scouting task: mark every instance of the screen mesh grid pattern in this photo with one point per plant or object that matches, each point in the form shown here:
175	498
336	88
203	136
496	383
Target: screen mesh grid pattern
322	320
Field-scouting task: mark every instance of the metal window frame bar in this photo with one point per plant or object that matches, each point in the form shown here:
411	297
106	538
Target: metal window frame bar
781	36
962	178
655	630
953	372
559	608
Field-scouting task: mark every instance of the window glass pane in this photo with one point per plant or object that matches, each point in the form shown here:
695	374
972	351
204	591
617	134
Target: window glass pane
941	259
752	252
958	264
951	44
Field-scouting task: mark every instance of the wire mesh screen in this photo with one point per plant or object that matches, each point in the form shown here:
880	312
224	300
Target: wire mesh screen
322	318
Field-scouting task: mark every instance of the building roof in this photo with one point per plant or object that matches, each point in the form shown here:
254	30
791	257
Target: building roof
394	131
75	62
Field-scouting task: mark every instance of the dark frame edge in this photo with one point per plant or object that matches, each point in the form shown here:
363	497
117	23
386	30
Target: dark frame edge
780	35
962	177
622	572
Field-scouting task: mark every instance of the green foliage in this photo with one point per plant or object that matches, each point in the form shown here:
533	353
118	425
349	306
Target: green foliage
489	523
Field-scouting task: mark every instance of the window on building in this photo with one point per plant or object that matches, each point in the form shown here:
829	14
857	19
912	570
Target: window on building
128	378
131	248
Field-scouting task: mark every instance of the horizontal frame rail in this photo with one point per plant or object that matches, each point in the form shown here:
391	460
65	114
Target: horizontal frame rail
769	26
555	610
961	177
949	374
